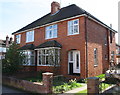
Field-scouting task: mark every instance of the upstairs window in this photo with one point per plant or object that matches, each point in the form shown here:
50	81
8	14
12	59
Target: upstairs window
73	27
30	36
95	56
51	31
18	37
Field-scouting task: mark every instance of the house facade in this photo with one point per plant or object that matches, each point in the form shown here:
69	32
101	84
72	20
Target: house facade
67	41
118	53
4	44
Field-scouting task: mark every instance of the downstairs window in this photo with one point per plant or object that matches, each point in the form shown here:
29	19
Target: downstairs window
49	57
29	57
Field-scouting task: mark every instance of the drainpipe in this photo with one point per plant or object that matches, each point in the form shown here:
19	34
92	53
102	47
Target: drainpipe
108	42
86	39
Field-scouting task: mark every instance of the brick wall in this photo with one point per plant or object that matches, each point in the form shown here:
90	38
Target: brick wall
96	39
45	87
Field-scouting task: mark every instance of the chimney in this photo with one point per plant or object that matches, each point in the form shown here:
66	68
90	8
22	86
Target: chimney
11	40
55	6
7	41
110	25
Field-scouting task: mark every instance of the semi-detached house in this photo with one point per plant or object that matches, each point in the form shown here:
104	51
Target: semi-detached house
68	41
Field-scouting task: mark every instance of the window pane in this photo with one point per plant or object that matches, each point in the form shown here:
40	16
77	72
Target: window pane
95	56
55	33
77	58
50	34
43	60
76	29
47	60
71	56
55	26
75	21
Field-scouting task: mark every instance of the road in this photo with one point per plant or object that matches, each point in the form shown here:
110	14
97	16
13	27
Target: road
12	91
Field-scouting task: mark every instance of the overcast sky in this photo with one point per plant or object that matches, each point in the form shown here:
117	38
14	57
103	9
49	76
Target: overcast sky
15	14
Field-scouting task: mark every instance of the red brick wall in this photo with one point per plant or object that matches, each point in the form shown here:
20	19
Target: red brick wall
96	39
112	46
68	43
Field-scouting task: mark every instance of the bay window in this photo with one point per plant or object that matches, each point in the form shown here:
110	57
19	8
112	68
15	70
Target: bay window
49	57
29	57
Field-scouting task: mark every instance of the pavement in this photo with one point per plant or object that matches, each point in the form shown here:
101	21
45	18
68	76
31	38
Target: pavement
12	91
115	90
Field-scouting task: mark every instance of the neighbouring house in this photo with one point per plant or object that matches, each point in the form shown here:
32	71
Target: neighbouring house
67	41
118	53
4	44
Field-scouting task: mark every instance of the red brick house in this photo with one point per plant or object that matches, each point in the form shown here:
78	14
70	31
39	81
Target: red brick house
68	39
4	44
118	53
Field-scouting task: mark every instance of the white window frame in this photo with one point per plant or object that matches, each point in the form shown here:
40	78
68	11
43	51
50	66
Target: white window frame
40	50
53	30
30	36
18	38
29	58
71	26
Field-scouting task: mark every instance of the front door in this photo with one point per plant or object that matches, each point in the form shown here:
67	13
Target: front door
74	62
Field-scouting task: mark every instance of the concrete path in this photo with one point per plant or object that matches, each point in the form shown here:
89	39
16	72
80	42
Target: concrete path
77	89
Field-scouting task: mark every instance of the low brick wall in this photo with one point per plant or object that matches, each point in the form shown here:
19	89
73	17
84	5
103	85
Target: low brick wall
45	87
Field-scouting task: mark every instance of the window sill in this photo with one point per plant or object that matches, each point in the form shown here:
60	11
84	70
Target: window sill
49	65
50	38
73	34
95	65
30	42
28	65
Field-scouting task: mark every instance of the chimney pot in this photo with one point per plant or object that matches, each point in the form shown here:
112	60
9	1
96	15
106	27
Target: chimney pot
55	6
11	40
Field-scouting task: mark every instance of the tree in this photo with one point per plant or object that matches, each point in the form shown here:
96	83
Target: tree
14	59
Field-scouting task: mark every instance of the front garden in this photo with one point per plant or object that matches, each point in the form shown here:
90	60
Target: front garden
60	83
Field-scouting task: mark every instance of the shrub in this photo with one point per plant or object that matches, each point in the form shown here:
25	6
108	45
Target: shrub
66	86
14	59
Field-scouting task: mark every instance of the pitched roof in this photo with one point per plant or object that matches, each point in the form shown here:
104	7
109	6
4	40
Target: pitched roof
27	47
64	13
51	43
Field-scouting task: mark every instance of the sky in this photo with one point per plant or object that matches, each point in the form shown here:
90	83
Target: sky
15	14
